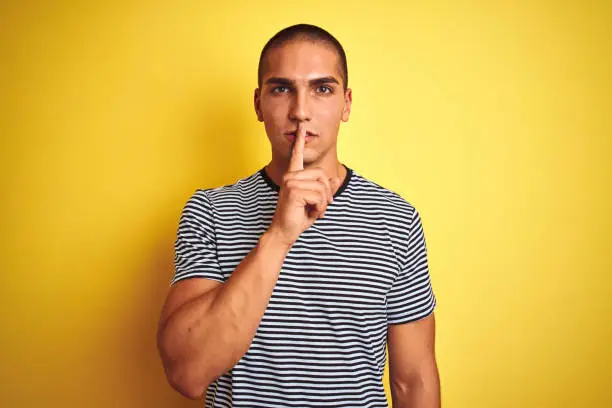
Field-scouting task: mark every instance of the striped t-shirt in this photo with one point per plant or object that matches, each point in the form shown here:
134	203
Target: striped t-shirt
321	342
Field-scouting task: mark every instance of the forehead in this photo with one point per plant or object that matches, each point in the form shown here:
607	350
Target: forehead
302	59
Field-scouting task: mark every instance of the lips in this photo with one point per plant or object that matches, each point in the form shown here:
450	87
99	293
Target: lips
291	135
308	133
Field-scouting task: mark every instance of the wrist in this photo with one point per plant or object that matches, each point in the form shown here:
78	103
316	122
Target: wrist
274	238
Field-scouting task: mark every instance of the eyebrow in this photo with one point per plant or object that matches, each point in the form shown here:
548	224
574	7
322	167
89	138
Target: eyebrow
312	82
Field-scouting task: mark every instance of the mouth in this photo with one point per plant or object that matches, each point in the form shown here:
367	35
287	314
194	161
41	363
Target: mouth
291	135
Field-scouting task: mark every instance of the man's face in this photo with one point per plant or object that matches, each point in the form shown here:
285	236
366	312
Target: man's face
302	82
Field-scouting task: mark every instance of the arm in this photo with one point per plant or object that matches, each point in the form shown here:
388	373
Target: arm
413	371
206	327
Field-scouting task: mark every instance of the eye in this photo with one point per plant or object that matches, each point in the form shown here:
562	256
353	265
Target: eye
280	89
324	89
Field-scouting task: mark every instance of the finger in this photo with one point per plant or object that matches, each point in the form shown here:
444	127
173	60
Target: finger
316	199
316	174
306	185
296	163
310	185
323	181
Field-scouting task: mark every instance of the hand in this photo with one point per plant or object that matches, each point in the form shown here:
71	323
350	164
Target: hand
303	196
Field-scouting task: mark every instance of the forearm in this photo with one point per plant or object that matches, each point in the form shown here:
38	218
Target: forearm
420	391
208	335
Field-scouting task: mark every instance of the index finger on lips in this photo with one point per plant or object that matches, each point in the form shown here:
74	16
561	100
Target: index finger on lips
296	162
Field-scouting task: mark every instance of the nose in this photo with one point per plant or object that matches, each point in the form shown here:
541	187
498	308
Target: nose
300	106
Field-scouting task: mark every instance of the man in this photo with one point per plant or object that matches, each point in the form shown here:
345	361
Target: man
290	283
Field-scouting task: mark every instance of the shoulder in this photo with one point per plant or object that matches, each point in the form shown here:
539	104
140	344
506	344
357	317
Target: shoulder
371	192
238	191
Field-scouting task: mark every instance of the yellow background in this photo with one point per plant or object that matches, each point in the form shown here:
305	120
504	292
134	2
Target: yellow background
492	118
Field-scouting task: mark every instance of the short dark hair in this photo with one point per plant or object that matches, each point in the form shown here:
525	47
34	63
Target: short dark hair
304	32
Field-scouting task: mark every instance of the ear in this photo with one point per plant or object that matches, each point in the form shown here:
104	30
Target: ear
348	100
257	104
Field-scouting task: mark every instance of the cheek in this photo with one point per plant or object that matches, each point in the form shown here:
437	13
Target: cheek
273	110
274	115
330	114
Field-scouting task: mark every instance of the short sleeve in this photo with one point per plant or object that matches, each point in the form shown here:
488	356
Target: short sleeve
195	248
411	296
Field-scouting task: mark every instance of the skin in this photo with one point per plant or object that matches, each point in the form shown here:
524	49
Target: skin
413	371
303	85
205	327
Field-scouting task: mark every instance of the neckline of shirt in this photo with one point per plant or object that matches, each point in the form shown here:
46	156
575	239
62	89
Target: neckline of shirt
276	187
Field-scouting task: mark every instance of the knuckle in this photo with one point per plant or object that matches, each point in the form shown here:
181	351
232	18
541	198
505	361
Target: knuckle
326	192
323	196
325	181
322	191
327	187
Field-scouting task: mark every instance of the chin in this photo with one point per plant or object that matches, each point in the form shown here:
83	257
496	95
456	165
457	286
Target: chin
310	159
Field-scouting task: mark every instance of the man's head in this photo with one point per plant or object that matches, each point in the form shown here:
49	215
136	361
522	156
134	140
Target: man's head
304	32
303	77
